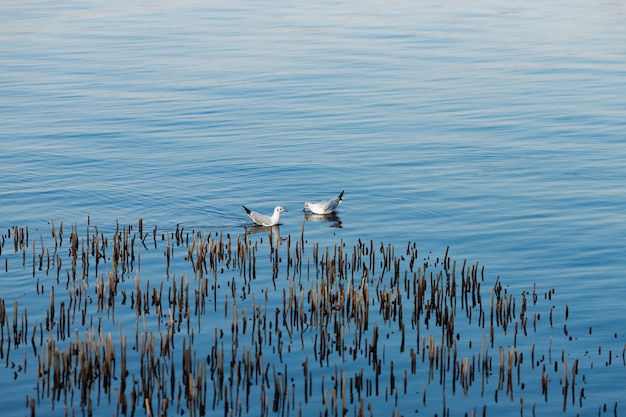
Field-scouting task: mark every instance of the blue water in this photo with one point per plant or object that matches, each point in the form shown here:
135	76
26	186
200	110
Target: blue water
494	129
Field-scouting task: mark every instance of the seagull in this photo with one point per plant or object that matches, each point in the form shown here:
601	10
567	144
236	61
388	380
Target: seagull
325	206
262	219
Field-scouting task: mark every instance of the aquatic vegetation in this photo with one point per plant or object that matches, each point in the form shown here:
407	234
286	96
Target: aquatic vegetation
137	320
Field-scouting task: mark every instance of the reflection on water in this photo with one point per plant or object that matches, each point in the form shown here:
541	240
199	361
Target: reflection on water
273	232
324	218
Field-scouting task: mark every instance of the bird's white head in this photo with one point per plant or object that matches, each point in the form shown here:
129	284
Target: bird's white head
307	205
279	209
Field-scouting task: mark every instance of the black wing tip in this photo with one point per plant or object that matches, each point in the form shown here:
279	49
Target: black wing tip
246	209
341	196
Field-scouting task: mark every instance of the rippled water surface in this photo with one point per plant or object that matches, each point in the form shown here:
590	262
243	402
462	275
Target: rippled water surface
494	129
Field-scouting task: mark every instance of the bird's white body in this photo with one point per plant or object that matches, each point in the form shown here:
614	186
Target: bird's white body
262	219
325	206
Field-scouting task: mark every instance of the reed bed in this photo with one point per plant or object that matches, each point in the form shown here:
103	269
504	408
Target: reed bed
141	321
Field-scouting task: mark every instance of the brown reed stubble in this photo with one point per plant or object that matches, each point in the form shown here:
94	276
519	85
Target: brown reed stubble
344	313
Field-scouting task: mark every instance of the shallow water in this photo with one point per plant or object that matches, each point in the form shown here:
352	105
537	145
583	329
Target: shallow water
495	130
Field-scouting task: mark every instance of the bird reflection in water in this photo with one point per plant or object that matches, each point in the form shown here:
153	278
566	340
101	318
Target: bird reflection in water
272	231
326	218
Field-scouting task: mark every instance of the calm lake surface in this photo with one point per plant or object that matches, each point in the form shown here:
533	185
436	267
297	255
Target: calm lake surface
496	130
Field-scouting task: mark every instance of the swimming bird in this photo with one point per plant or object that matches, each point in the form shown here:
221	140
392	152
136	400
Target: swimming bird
325	206
262	219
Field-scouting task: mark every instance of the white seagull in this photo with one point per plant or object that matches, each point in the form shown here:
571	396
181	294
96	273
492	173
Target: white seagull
262	219
325	206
